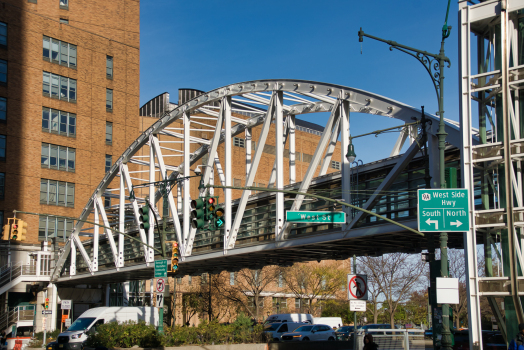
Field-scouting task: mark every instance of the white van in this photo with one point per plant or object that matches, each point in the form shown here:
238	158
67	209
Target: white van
273	331
333	322
74	337
297	318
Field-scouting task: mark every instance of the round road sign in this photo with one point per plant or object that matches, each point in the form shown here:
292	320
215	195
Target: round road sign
160	285
357	287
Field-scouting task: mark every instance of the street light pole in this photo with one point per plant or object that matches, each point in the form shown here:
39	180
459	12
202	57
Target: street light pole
431	62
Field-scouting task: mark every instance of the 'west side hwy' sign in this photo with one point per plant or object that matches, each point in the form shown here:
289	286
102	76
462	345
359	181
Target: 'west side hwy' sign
443	210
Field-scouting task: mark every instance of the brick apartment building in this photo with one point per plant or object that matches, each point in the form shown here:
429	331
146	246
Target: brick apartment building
69	98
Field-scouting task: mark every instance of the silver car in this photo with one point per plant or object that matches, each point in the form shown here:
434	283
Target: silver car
315	332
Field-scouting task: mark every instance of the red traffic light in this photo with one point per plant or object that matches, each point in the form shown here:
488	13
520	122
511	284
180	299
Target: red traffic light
211	200
15	226
47	299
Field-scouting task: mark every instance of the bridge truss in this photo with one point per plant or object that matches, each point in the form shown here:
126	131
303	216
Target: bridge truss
191	134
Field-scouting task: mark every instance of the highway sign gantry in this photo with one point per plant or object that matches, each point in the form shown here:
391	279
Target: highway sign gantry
443	210
334	217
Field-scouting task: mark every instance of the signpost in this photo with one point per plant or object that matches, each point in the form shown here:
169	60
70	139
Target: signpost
161	275
443	210
357	305
333	217
66	305
357	287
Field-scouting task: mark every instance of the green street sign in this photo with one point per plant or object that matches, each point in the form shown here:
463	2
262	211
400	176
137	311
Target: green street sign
160	268
443	210
333	217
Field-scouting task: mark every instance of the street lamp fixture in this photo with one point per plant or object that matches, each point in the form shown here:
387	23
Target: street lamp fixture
350	156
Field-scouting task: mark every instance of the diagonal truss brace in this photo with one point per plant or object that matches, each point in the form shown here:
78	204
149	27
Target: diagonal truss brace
308	177
125	173
252	172
171	201
388	181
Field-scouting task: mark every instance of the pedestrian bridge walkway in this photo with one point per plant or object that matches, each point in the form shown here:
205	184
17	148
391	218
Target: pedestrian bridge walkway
256	233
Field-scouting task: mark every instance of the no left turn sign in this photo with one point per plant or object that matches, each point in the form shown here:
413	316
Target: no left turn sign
160	285
357	287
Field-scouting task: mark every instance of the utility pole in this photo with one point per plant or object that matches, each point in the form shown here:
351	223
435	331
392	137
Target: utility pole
431	62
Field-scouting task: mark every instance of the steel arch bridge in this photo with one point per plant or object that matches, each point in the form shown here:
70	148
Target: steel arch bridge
165	151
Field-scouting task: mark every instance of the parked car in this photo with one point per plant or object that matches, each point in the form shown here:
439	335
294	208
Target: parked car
343	332
311	332
273	331
304	318
491	340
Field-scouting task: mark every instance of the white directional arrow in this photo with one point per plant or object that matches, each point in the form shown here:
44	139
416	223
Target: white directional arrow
429	222
456	223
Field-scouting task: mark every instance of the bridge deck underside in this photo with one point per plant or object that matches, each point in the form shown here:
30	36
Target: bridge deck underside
372	241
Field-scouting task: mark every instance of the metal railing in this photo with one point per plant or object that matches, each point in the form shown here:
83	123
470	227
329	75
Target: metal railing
395	339
15	314
10	272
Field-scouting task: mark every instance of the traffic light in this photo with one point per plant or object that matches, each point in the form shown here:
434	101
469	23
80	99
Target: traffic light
144	216
14	230
219	220
174	257
211	207
198	213
6	232
46	305
21	231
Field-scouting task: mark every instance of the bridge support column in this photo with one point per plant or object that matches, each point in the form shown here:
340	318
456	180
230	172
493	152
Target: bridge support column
279	161
228	160
292	154
345	166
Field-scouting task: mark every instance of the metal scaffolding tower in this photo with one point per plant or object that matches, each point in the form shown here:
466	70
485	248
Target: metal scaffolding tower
491	65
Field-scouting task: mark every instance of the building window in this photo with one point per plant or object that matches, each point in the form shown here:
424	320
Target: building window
3	144
109	162
57	86
3	109
203	278
109	67
335	165
107	202
2	187
189	278
64	4
58	157
57	193
3	34
179	280
237	182
64	20
58	122
59	52
3	72
109	133
2	217
109	100
49	227
280	280
231	278
237	141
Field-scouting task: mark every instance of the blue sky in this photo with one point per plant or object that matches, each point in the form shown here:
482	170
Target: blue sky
208	44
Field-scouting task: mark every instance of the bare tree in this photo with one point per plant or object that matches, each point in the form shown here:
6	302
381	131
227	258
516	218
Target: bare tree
396	276
248	287
314	281
457	269
374	292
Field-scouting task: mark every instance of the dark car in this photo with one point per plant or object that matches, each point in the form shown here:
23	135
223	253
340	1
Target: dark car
491	340
343	332
51	345
428	333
